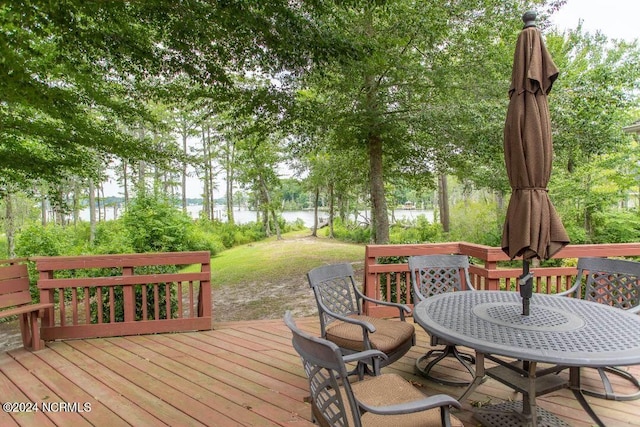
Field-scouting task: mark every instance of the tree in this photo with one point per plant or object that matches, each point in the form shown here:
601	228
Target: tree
591	102
401	104
76	76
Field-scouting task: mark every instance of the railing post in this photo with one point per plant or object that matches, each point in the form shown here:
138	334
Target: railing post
204	294
370	284
491	284
46	296
129	297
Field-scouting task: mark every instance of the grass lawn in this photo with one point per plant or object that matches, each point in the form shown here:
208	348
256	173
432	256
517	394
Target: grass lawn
272	260
264	279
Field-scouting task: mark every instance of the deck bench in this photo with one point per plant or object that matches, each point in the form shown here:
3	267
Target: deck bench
15	300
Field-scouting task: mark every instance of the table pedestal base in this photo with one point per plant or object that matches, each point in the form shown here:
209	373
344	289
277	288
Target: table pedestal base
508	414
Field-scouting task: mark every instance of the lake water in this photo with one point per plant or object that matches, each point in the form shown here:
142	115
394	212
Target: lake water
243	216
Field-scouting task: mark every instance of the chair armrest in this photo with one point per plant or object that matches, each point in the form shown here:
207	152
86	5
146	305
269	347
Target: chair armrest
365	325
374	355
430	402
402	308
28	308
362	355
573	291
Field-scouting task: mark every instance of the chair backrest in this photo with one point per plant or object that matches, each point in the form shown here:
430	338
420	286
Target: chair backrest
436	274
323	364
334	288
14	286
614	282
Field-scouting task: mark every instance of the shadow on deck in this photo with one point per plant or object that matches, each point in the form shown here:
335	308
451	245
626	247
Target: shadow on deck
240	373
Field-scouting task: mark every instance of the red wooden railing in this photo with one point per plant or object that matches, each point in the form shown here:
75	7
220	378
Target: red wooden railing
122	300
390	281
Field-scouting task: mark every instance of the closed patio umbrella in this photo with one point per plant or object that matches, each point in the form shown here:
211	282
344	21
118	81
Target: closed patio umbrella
532	228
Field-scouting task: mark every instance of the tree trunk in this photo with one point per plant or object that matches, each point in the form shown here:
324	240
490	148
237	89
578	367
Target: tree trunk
331	209
92	211
316	201
104	202
206	155
76	203
206	209
379	218
276	224
230	175
125	182
184	169
269	208
142	166
9	225
443	202
212	176
43	209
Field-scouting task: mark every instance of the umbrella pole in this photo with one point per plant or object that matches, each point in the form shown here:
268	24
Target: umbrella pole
526	286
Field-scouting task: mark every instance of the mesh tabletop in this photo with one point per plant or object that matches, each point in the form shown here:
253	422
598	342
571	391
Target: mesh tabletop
559	330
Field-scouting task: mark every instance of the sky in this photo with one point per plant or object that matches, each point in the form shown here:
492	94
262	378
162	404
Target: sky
616	19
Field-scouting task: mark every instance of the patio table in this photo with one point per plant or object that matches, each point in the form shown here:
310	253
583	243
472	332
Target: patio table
560	332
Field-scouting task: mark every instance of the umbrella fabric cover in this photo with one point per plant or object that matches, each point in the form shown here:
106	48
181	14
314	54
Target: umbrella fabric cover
532	228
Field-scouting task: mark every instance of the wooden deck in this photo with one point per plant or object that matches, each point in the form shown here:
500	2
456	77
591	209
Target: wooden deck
241	373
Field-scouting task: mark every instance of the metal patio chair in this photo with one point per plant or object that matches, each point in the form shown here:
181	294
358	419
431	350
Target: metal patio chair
383	400
433	275
340	307
616	283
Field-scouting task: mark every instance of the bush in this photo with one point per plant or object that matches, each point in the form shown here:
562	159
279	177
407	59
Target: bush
418	231
350	232
112	238
617	227
150	297
50	240
154	224
224	235
476	222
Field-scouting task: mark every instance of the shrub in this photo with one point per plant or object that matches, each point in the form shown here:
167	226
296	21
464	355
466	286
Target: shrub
419	230
112	238
150	297
617	227
476	222
50	240
154	224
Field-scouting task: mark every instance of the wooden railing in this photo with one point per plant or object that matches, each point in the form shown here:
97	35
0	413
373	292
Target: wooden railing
112	295
389	280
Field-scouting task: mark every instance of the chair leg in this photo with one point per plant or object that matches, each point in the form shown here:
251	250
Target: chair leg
609	393
465	360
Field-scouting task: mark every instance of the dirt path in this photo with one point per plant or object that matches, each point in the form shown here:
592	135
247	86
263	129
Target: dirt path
263	301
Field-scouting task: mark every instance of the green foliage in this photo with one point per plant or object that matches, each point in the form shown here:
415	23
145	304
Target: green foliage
79	75
150	224
150	296
617	227
112	238
394	283
155	225
50	240
350	232
418	231
476	222
225	235
200	240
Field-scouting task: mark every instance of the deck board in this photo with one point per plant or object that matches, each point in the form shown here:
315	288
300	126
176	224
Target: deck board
240	373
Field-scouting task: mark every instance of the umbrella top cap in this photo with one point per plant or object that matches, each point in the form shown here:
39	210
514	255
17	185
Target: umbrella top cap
529	19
